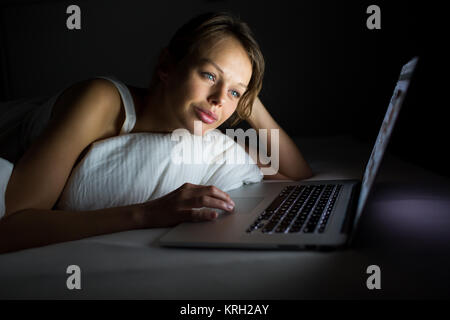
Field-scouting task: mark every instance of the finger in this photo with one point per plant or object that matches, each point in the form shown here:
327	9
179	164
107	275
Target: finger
214	192
203	215
209	202
199	190
193	215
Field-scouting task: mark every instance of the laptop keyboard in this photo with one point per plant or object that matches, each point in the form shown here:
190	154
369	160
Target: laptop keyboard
302	208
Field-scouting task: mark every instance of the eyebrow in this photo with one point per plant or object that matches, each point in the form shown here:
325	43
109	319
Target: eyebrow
220	70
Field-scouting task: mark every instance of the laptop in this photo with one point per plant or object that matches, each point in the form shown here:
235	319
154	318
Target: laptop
309	214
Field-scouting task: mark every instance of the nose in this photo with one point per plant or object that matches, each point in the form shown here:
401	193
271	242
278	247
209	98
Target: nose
217	96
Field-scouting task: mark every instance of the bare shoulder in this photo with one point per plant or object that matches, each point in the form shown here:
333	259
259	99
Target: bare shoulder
97	97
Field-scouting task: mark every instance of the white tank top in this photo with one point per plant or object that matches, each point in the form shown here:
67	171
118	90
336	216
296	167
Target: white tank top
22	121
130	110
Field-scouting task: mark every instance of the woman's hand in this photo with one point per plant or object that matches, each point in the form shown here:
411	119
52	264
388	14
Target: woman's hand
183	204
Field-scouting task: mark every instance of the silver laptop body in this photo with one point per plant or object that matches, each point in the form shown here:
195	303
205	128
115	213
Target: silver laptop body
252	224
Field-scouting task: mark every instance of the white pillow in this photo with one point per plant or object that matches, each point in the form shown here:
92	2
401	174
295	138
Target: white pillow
133	168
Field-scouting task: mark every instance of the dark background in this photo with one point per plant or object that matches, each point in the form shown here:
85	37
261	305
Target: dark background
327	74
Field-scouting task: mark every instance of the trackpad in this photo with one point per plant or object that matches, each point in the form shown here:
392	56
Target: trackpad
246	205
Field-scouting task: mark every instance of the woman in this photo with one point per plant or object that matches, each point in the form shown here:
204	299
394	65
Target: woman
211	71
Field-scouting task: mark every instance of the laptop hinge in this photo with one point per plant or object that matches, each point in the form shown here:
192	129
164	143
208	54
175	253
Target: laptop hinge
347	225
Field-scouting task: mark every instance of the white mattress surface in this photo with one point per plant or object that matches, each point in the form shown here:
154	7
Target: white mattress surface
406	221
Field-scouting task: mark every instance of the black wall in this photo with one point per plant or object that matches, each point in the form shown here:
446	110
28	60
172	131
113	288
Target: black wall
327	74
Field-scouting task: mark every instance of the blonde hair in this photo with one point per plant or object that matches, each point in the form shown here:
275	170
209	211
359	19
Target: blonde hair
216	25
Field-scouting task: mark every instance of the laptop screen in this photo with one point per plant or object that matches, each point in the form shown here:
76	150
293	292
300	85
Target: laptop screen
384	135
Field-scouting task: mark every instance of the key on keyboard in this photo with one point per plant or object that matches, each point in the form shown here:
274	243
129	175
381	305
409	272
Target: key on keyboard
296	207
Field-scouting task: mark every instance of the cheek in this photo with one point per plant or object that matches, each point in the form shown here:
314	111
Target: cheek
227	112
180	87
192	91
197	92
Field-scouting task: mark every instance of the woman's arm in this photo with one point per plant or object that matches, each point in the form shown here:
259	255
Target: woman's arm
292	165
30	228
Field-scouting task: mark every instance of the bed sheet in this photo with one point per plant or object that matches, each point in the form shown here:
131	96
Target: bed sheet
131	265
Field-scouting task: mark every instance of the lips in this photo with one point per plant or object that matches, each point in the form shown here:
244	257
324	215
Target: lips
205	115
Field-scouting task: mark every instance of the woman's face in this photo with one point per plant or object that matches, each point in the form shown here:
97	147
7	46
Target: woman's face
208	86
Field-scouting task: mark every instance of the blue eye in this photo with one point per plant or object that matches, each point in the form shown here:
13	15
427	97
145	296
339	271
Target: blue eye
209	76
235	94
